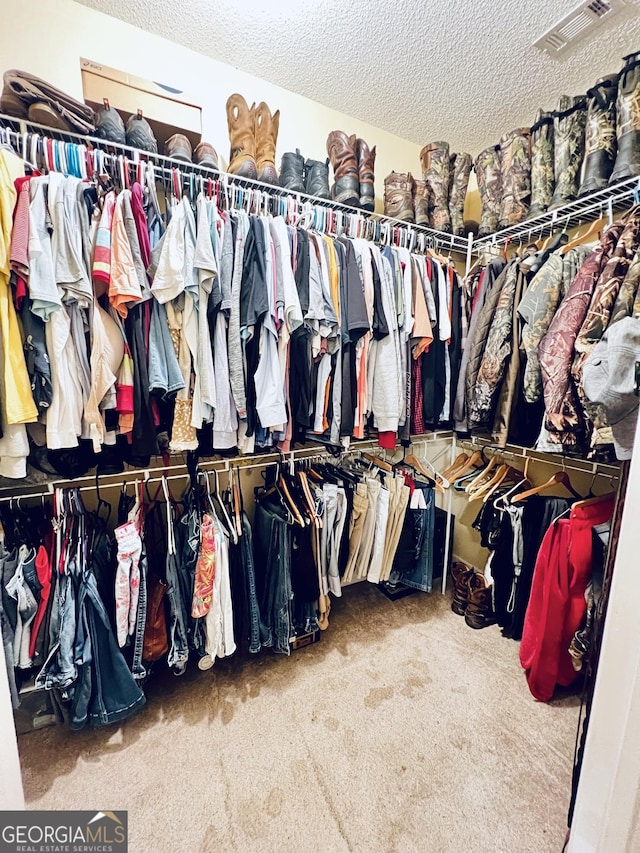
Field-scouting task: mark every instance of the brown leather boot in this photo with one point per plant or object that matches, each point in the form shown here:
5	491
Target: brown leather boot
422	202
240	118
266	131
398	196
479	613
366	160
342	152
461	574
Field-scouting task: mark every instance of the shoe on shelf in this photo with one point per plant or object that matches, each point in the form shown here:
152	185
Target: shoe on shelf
489	177
628	120
178	147
109	126
206	155
398	196
542	169
459	171
600	137
317	178
140	135
366	160
266	134
242	138
435	171
292	171
422	202
346	177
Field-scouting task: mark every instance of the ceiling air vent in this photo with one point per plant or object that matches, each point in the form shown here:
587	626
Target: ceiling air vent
575	26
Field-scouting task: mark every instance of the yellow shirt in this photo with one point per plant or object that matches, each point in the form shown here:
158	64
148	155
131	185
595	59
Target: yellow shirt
19	407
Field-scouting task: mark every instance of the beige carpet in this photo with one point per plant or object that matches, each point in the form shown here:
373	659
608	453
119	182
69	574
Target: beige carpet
402	730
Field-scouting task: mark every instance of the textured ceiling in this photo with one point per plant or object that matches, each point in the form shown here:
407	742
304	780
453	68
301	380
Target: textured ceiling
463	71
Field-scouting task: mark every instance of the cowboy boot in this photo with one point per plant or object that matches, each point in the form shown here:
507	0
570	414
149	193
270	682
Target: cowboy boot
515	165
489	176
600	138
398	196
266	131
542	169
292	171
240	118
366	159
461	575
460	169
628	121
422	202
435	171
569	125
479	612
317	180
346	181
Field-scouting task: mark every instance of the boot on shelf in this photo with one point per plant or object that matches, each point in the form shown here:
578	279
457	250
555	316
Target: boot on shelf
266	134
292	171
489	177
461	574
459	171
479	612
317	178
542	169
434	159
366	160
178	147
600	138
568	130
398	196
515	166
240	118
628	120
422	202
346	179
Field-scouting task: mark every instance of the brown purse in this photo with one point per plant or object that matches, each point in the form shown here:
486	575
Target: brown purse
156	638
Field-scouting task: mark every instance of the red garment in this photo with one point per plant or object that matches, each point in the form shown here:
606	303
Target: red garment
137	208
417	400
387	440
557	605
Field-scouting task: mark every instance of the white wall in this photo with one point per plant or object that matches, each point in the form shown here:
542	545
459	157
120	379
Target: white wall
48	39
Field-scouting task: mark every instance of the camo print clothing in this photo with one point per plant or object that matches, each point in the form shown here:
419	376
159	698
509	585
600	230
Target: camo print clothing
564	419
600	309
460	170
628	293
496	353
435	171
537	308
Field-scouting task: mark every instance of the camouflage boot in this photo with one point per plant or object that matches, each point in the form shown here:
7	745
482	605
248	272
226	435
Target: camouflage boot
542	171
628	122
422	202
398	196
515	165
435	171
600	138
489	176
460	169
569	126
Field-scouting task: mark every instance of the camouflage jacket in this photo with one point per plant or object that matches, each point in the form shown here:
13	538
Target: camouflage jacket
537	307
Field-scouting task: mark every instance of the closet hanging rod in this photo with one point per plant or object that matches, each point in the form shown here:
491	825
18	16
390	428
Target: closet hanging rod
599	203
22	128
568	463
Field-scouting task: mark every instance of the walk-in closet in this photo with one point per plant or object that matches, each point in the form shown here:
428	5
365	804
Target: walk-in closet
319	389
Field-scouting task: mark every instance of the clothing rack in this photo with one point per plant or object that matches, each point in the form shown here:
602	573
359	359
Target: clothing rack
21	135
596	204
515	451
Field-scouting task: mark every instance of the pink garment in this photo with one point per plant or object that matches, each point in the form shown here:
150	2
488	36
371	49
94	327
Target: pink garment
205	569
137	207
127	580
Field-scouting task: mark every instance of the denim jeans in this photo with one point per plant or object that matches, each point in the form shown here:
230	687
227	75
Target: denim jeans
273	578
106	691
413	562
59	669
248	625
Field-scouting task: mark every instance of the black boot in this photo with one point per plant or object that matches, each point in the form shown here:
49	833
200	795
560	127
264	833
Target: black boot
292	171
628	120
600	139
318	178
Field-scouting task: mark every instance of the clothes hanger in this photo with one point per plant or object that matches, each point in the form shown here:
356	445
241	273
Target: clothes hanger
495	460
227	521
596	499
509	473
455	465
474	461
592	233
500	503
559	478
441	482
488	485
375	460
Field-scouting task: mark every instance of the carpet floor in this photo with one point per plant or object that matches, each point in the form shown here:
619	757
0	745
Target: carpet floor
402	730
